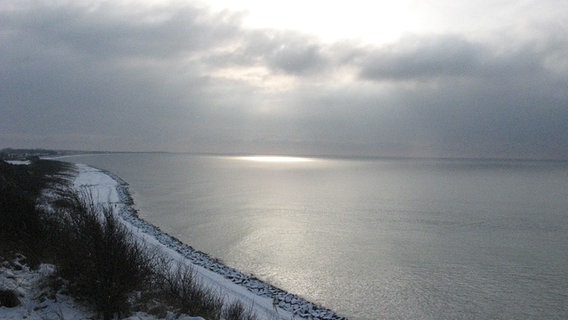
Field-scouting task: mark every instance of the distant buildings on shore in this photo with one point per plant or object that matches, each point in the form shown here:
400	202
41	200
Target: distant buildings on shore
33	154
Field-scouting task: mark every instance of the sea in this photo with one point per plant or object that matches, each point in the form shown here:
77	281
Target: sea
370	238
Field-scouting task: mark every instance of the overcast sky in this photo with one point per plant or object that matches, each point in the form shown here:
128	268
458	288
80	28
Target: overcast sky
440	78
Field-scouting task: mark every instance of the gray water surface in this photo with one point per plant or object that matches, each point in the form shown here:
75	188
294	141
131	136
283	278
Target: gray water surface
371	239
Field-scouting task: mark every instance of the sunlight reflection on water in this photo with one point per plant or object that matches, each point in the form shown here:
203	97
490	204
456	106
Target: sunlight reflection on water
274	159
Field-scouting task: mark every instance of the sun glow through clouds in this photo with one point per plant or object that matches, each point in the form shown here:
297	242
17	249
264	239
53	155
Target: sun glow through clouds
368	21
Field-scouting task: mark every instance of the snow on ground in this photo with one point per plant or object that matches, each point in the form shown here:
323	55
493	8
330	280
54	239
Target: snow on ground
268	302
18	162
38	301
102	187
35	297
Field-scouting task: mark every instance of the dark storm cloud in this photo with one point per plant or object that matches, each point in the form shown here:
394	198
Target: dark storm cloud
284	52
434	57
117	31
113	76
105	71
458	97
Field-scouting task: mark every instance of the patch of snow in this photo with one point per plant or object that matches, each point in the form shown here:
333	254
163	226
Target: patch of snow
101	186
36	300
169	316
19	162
268	301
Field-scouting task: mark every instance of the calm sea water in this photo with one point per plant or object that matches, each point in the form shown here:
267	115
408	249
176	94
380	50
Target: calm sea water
372	239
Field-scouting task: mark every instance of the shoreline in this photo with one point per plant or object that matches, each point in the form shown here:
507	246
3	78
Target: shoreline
296	306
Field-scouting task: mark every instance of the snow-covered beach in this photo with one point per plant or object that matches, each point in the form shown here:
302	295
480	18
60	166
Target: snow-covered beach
268	301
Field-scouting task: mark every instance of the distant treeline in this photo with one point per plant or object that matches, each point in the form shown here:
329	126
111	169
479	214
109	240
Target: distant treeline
23	154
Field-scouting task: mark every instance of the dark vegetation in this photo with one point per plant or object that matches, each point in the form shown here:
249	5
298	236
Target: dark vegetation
99	257
94	252
22	226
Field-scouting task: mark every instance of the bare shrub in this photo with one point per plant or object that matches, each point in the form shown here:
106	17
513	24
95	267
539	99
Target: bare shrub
20	220
22	225
99	255
186	293
237	311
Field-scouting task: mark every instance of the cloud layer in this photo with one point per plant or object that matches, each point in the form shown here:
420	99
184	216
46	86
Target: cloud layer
177	77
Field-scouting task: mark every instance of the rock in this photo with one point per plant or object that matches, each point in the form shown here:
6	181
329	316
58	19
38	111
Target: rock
9	299
189	318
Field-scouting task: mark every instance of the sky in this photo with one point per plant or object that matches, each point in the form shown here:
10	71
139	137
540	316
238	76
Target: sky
405	78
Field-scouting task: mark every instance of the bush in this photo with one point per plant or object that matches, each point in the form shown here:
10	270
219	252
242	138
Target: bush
179	287
236	311
184	292
99	255
20	220
20	185
17	206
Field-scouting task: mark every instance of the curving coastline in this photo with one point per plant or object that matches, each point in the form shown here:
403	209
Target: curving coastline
298	307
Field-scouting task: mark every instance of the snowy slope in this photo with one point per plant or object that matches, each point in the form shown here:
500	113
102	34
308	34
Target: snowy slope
36	300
